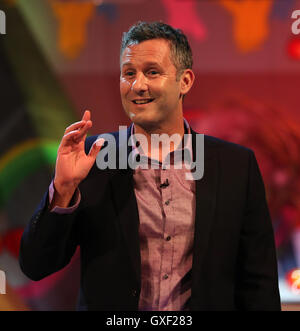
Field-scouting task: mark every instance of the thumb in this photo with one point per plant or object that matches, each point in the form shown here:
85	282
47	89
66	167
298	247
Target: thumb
95	149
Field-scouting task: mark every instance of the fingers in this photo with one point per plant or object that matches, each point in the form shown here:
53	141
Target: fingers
96	147
77	131
75	126
86	116
69	138
82	131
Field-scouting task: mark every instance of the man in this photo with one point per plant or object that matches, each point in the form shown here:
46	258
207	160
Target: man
149	238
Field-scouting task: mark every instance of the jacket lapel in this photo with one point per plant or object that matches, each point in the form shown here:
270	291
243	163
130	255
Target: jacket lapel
125	201
206	190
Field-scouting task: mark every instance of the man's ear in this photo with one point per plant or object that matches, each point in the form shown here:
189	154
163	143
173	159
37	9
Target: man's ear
186	81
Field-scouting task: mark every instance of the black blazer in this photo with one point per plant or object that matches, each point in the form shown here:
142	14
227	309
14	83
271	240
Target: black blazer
234	259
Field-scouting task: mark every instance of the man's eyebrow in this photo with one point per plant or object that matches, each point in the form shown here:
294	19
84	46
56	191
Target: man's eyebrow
146	64
126	64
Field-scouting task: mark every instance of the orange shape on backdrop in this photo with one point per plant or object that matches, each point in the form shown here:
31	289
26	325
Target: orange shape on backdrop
250	22
293	279
73	17
11	301
10	2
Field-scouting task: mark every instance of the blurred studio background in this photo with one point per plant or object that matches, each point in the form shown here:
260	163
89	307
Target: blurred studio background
60	57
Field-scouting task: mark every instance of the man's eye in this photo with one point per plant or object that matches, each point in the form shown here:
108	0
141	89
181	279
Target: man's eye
129	73
153	72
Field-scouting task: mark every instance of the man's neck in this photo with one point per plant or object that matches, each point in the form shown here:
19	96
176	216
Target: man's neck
173	134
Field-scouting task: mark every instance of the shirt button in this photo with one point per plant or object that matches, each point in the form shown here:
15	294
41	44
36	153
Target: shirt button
166	276
167	202
168	238
134	293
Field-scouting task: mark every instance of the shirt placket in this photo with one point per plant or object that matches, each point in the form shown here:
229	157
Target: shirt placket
167	240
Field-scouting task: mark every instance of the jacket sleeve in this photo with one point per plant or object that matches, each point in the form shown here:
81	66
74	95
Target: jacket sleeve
257	276
48	242
50	239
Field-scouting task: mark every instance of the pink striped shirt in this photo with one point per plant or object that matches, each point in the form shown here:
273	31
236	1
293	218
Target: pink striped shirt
167	215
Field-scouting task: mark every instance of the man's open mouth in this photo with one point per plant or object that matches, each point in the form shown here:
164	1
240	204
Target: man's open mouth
142	101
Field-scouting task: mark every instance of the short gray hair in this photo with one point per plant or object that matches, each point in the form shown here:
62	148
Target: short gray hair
181	53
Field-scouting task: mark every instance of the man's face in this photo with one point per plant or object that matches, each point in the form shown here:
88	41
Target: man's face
150	93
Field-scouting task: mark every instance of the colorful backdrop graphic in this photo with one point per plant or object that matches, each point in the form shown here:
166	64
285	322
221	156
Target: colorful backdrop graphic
60	57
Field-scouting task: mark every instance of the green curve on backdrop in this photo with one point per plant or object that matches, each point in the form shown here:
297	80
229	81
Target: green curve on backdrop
16	165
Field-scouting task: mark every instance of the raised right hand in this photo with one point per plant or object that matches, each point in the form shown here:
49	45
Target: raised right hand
72	163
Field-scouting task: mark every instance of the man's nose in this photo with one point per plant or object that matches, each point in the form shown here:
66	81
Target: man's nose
140	83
